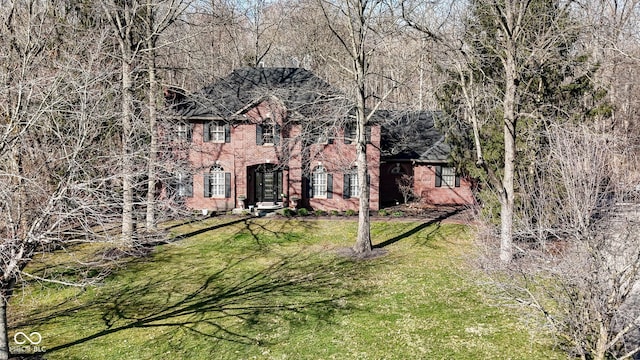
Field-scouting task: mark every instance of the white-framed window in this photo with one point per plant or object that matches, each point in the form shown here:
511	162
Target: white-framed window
446	176
352	187
268	133
217	183
319	182
319	135
214	131
184	185
449	176
350	133
184	131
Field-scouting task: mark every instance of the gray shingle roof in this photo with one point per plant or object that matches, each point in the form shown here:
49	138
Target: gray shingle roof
413	135
406	135
299	89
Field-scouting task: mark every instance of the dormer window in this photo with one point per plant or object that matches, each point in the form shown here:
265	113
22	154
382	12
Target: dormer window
267	133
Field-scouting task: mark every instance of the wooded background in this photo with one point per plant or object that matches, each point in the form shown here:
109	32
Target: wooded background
539	97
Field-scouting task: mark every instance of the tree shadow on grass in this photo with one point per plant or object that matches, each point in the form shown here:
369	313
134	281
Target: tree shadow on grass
436	220
110	266
208	229
293	287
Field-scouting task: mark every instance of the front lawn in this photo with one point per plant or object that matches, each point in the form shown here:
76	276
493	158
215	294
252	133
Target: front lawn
276	289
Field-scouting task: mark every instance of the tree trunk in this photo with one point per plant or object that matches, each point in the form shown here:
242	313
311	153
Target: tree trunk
153	146
5	295
363	242
601	343
509	126
4	329
507	193
127	160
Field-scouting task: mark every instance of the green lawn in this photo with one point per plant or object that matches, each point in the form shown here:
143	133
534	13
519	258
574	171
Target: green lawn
276	289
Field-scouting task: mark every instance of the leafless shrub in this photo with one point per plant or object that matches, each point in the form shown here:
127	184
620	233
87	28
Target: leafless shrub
580	267
405	185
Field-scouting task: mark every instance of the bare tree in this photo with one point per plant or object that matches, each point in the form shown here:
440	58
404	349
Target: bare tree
158	16
55	163
122	17
350	21
405	185
136	27
505	59
583	275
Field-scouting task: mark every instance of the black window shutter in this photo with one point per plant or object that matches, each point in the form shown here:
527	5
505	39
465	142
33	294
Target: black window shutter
188	186
207	185
438	176
457	181
367	132
347	134
227	185
259	139
189	132
346	191
307	183
206	132
276	134
329	186
227	133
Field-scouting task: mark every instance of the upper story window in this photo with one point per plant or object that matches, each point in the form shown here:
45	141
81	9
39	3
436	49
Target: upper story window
446	176
217	183
216	131
184	131
351	133
267	133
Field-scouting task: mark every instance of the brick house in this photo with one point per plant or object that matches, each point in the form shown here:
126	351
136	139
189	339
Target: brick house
274	137
415	151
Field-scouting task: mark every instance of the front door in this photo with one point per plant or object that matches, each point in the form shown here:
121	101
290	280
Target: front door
268	185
